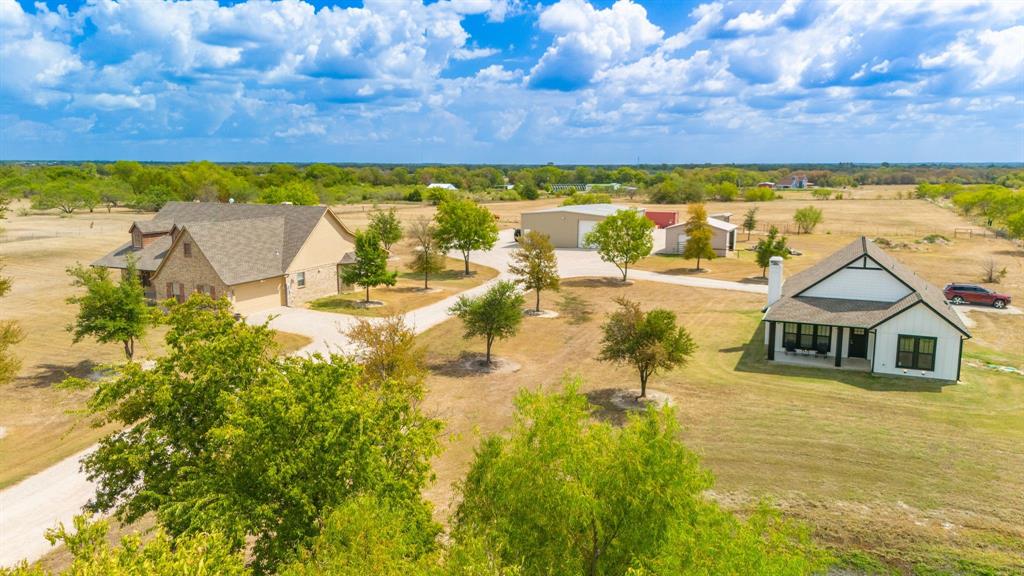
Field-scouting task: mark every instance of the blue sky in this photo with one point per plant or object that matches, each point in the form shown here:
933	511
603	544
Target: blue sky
509	81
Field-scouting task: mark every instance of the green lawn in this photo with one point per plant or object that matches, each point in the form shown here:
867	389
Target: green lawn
916	474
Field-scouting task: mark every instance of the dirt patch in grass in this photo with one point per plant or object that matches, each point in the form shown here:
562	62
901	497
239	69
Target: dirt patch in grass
534	313
469	364
817	441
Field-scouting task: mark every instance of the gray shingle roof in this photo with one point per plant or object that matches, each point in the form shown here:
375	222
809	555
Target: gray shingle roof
241	250
792	307
147	259
153	226
243	242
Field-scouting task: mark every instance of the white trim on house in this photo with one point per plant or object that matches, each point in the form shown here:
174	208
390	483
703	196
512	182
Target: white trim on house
861	289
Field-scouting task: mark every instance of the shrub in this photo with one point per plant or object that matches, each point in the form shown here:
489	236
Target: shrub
581	198
807	218
759	195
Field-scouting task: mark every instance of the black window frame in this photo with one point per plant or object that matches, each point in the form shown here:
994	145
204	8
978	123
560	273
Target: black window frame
915	352
793	335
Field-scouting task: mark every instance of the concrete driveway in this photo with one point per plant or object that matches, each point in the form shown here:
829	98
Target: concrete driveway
574	263
56	494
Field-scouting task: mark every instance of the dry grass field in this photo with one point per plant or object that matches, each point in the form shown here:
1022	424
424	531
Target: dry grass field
407	294
912	471
39	420
904	222
918	473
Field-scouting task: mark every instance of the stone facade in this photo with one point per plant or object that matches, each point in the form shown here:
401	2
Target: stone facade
186	273
320	281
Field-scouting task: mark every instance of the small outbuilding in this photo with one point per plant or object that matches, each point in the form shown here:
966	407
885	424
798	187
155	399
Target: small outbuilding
567	225
723	237
662	219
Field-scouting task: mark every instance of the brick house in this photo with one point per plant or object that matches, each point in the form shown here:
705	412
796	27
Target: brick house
258	256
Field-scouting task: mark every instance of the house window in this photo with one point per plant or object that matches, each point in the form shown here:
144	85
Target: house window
136	239
187	247
807	336
789	335
300	279
916	352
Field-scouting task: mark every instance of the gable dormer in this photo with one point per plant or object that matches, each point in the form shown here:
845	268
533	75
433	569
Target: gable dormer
145	232
861	279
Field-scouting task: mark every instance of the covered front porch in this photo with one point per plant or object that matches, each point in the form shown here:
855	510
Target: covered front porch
820	345
799	359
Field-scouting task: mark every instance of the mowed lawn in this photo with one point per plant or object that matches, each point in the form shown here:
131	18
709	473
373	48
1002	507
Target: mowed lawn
407	294
912	471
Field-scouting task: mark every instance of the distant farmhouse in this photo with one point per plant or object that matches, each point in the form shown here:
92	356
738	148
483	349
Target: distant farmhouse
861	309
258	256
442	186
798	182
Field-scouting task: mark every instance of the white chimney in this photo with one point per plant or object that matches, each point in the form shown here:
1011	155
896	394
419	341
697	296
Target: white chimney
774	279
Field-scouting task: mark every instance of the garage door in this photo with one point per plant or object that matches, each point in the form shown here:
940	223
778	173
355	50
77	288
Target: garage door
261	295
585	226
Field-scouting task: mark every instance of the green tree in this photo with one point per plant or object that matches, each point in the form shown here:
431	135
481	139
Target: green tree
564	493
159	555
109	311
368	536
750	221
465	226
622	239
152	199
66	196
1015	225
428	258
579	198
114	193
10	335
387	227
371	266
299	193
534	264
649	341
807	218
387	352
494	315
770	245
223	435
698	235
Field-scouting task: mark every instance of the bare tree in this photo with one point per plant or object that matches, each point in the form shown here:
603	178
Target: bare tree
991	272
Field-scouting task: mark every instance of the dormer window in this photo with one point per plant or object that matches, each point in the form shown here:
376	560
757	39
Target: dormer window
187	248
136	238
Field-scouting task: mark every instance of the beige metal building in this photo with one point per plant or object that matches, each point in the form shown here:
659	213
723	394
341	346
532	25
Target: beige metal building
723	237
567	225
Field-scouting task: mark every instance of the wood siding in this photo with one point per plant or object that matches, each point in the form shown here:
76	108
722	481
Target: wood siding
874	284
918	321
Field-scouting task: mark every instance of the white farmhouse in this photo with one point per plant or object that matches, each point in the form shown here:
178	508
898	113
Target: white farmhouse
861	309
